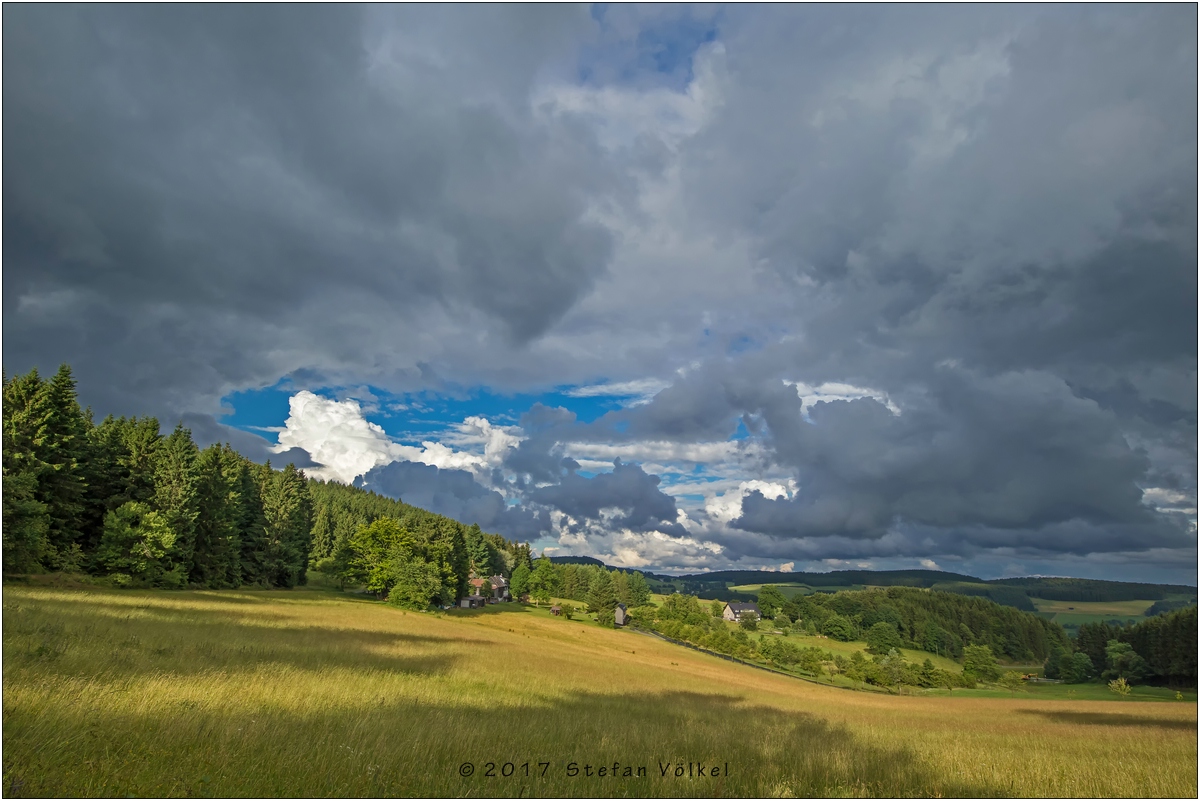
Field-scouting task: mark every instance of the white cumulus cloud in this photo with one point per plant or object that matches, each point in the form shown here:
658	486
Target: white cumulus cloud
347	445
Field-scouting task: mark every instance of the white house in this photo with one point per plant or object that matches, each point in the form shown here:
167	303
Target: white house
734	611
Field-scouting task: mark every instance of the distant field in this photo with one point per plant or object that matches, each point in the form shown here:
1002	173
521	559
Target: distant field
313	693
789	590
1075	613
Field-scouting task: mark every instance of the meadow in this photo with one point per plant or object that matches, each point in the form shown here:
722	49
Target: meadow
314	693
1075	613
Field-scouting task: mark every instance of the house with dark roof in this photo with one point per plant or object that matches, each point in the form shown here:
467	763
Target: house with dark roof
622	615
734	611
494	588
472	602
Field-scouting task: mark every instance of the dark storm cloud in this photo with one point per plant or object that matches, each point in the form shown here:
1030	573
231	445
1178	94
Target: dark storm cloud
186	179
207	431
627	488
986	214
455	494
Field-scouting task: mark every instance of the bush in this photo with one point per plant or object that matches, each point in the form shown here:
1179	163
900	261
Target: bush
839	628
883	637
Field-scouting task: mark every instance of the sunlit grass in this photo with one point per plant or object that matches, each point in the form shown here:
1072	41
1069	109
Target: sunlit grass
309	693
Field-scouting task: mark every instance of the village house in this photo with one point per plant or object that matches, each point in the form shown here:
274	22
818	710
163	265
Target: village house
734	611
622	615
494	588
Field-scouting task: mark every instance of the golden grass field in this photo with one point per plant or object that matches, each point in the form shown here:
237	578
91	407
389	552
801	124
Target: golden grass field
313	693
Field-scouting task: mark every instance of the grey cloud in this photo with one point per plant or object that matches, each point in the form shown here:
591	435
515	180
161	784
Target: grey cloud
206	431
455	494
187	179
627	488
1012	451
986	212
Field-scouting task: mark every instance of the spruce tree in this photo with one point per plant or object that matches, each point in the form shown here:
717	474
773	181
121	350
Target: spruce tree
175	496
139	457
602	598
62	447
287	510
106	476
216	557
639	590
251	522
26	522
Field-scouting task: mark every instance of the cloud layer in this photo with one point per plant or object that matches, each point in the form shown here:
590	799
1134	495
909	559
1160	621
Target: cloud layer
883	283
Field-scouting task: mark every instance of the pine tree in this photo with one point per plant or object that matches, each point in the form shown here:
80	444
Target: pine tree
287	509
620	581
26	519
106	477
216	557
639	590
61	447
142	440
175	496
602	598
251	523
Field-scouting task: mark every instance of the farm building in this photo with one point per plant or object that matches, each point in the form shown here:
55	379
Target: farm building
472	602
556	610
734	611
622	616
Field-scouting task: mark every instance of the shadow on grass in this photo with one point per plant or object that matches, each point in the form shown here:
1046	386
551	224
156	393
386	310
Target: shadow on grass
92	636
256	753
1109	719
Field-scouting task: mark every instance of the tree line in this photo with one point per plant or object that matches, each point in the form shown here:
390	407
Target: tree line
937	622
120	499
683	617
599	588
1161	650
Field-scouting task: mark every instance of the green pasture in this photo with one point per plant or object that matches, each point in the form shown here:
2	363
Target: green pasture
313	693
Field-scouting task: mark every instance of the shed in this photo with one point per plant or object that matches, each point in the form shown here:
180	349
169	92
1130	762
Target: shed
622	615
556	610
472	602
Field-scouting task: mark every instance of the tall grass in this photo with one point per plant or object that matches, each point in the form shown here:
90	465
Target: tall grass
306	693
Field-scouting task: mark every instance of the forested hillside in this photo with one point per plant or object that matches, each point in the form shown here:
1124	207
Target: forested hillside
937	622
1165	646
121	500
1014	592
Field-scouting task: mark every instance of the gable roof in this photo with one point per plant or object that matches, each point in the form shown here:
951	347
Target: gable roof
737	606
499	581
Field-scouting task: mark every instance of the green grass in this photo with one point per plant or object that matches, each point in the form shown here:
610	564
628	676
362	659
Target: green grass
313	693
789	589
1075	613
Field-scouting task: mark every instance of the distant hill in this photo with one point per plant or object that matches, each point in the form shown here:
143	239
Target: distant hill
1014	592
653	578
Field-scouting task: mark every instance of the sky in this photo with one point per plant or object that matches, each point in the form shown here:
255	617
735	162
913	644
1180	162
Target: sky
684	288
